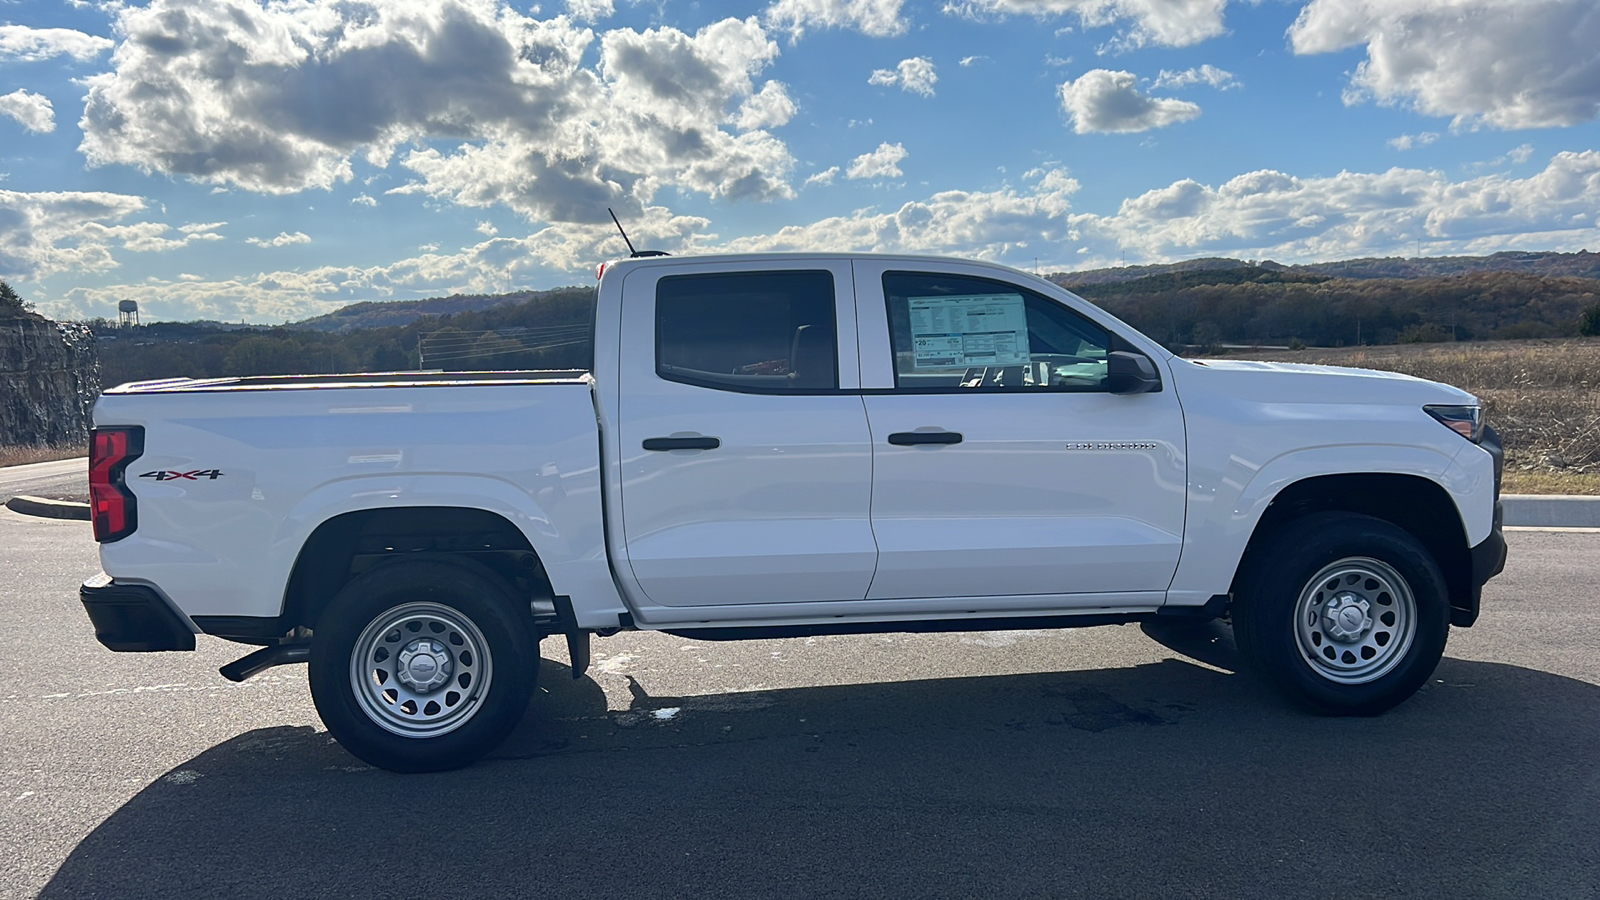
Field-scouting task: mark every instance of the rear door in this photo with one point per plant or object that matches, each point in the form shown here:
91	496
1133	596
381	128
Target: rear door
746	459
1003	465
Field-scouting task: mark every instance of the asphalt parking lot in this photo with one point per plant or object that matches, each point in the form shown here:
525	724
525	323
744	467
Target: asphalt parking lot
1096	763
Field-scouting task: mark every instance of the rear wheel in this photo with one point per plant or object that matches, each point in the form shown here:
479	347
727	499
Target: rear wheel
1343	614
422	665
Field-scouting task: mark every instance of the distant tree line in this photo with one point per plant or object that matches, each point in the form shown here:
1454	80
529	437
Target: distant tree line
1262	306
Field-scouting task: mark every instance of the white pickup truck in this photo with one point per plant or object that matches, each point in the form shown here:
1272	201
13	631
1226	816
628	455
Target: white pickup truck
789	445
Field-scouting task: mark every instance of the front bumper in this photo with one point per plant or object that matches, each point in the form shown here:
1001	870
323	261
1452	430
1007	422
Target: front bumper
1489	557
133	617
1488	560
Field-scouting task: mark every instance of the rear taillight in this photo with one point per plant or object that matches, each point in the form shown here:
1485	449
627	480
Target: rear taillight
114	508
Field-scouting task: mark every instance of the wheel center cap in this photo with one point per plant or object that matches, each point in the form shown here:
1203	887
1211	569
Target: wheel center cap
424	665
1346	617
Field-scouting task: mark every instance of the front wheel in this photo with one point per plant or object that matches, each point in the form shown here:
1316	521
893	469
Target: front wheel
1344	614
422	665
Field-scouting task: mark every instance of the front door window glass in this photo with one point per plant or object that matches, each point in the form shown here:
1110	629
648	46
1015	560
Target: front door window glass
954	332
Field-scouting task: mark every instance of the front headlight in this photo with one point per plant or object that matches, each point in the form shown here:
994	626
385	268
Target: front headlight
1466	421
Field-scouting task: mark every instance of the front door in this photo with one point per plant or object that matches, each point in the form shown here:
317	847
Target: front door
1003	465
746	460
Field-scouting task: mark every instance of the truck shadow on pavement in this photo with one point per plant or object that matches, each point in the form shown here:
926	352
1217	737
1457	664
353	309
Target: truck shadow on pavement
1165	779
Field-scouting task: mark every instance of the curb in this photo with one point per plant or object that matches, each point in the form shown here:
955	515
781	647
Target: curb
49	509
1552	510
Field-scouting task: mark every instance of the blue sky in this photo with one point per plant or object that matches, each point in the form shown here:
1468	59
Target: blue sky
242	160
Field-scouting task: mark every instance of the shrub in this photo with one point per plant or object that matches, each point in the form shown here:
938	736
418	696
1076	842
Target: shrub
1589	322
10	303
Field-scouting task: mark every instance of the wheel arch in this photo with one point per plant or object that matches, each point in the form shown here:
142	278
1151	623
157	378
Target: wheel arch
1420	506
346	545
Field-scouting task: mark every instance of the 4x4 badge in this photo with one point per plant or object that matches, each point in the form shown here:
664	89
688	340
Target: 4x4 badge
196	475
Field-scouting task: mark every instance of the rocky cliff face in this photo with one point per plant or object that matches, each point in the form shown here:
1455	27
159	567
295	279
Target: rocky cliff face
49	379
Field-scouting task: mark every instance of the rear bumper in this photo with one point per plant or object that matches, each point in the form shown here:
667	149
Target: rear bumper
133	617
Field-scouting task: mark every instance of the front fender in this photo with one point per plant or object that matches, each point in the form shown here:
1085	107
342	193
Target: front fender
1224	511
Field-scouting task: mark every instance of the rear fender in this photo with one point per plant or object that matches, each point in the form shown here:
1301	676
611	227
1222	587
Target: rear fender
572	553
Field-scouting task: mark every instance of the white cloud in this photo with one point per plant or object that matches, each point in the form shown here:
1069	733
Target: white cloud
1269	214
283	239
1172	23
590	10
283	97
971	60
1262	214
1516	156
51	232
487	229
363	200
33	111
497	265
916	75
1106	101
883	162
1220	79
877	18
826	176
24	44
1407	141
999	224
1257	215
769	107
1502	63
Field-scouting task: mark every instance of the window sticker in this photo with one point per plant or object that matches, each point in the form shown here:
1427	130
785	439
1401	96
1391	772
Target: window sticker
971	330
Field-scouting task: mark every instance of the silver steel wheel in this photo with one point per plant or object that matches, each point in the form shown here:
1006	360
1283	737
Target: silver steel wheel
420	670
1355	620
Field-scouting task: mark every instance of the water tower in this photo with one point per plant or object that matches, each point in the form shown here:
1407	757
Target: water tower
128	313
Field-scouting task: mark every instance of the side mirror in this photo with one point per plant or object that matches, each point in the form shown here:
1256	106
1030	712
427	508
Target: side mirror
1131	373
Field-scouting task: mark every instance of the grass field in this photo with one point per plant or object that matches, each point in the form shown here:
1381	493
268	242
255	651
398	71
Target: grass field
1542	396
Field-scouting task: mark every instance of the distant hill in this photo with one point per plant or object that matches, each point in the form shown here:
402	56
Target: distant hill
1582	264
390	313
1550	265
1131	273
1174	279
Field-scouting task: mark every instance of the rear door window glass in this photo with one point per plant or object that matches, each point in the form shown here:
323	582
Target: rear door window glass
752	332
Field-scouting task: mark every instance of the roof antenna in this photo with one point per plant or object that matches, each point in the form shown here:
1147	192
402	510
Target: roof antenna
632	253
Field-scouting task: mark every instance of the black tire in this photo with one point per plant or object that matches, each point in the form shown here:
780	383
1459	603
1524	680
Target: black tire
450	620
1318	597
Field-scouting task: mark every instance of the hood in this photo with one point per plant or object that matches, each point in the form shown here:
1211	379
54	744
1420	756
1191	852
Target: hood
1319	384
